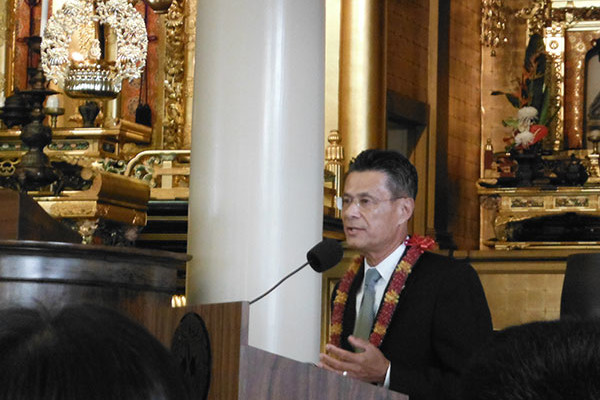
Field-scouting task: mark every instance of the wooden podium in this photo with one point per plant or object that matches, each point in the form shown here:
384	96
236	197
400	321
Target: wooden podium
243	372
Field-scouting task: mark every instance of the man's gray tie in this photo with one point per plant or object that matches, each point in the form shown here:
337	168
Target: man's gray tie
364	319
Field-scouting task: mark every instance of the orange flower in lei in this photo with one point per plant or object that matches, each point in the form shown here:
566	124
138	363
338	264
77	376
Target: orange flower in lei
416	246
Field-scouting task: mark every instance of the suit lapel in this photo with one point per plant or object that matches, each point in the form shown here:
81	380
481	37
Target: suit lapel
410	282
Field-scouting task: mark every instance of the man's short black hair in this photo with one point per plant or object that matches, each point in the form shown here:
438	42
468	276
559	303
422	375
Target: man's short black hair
551	360
402	175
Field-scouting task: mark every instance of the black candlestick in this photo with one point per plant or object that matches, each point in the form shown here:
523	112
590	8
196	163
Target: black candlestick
34	171
25	108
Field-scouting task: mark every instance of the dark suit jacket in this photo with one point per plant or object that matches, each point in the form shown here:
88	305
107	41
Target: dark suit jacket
442	317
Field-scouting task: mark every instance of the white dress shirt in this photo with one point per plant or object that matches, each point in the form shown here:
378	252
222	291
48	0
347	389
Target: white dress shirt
385	269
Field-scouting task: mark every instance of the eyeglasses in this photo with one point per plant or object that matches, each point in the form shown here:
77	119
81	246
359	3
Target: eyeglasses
365	203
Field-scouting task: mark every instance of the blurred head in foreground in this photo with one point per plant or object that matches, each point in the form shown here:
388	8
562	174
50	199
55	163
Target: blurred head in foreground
82	352
541	360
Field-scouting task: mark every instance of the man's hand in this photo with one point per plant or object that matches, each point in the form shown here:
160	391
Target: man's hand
369	366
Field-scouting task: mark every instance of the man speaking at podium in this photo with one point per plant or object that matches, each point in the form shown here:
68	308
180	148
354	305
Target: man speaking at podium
402	317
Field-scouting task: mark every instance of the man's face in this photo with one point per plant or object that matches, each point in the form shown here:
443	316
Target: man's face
375	222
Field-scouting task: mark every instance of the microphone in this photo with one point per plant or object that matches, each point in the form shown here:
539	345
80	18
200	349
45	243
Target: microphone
323	256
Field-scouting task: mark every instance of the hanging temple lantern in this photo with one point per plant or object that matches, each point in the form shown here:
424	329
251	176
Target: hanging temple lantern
73	49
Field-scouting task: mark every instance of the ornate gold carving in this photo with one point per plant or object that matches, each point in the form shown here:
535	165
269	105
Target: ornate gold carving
83	146
72	209
8	166
334	163
527	202
537	16
572	14
491	202
190	54
102	210
174	119
572	202
165	171
112	200
569	74
495	14
499	245
3	22
489	208
578	43
520	204
86	229
555	46
592	165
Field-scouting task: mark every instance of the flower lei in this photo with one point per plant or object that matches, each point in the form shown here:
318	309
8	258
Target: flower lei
416	246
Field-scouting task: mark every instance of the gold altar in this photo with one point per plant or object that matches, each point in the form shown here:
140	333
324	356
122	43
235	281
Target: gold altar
507	207
79	145
500	208
112	198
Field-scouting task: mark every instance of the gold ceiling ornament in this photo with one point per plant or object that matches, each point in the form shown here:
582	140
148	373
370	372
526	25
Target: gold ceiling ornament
539	15
72	49
493	24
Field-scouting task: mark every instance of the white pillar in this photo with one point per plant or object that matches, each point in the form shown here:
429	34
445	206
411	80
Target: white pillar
256	185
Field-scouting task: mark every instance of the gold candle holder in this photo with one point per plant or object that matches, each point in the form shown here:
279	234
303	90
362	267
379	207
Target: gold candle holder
594	166
54	112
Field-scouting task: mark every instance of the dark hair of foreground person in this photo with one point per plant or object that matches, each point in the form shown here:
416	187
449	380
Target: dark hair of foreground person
83	352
